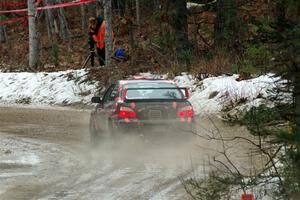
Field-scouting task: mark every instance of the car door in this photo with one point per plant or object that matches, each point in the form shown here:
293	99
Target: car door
108	104
102	110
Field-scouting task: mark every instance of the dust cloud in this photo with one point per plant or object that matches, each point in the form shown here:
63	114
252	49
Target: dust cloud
142	165
166	149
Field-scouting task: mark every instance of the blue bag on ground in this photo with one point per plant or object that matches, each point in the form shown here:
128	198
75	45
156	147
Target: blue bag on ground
120	53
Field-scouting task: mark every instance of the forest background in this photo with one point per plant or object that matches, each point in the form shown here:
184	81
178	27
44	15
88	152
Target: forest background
201	37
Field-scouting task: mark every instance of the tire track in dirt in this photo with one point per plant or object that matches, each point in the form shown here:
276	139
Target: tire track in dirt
67	167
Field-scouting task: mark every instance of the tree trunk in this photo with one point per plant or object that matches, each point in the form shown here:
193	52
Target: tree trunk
33	35
219	27
180	25
297	120
83	18
64	31
2	31
280	14
2	34
128	9
156	4
108	32
120	5
227	31
50	21
295	60
99	8
137	5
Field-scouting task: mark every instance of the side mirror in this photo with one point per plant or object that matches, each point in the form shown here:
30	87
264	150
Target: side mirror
96	100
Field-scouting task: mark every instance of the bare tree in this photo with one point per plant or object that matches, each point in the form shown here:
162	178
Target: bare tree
64	30
180	26
108	32
50	20
2	34
33	35
220	24
83	18
129	10
227	31
228	172
99	8
137	5
156	4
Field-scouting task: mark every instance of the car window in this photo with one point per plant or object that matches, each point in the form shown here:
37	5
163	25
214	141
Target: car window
108	93
113	94
155	93
151	85
153	90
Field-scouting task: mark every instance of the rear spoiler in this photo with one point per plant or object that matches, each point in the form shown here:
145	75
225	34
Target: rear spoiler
185	90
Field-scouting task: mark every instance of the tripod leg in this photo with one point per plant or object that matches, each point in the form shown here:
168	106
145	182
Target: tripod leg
86	61
92	59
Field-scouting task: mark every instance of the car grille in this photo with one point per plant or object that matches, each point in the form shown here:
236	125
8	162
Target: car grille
155	114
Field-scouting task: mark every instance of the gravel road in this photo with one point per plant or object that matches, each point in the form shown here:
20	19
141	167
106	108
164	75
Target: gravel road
45	153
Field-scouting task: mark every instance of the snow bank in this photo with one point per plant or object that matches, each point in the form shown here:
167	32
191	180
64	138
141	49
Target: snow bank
211	95
215	94
45	88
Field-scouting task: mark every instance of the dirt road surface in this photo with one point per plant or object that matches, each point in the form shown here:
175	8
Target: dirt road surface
46	154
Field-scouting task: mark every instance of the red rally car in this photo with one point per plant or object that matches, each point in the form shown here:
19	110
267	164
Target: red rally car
140	104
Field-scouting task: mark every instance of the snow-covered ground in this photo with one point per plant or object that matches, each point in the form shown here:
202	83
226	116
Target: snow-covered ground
63	87
214	94
210	95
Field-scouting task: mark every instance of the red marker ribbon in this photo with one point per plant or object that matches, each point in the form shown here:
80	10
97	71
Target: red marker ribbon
17	3
73	3
12	3
13	20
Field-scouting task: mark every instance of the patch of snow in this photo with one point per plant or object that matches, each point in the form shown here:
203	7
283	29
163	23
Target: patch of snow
220	92
185	80
12	174
191	5
25	159
45	88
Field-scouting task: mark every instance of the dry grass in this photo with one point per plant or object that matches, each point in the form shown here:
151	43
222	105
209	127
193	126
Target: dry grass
218	65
